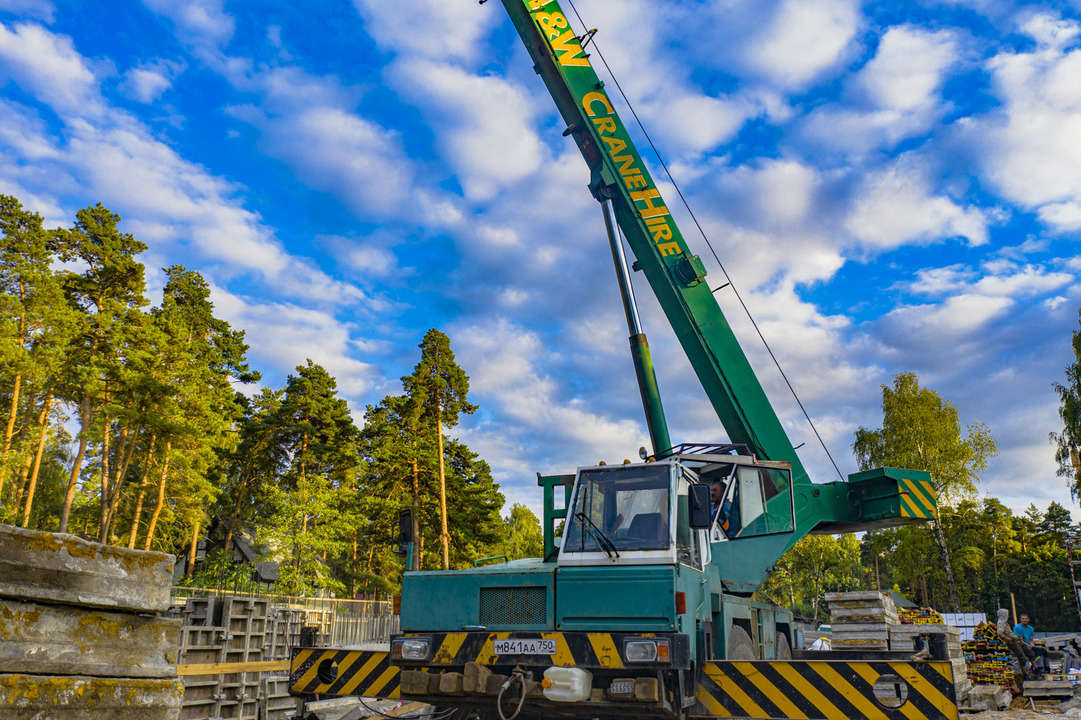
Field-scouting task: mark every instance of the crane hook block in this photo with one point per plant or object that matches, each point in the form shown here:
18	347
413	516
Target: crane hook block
689	270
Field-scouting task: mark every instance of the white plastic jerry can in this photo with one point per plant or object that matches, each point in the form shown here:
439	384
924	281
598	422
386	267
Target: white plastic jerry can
567	684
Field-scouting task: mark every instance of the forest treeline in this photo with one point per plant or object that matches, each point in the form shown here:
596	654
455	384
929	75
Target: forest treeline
146	427
977	556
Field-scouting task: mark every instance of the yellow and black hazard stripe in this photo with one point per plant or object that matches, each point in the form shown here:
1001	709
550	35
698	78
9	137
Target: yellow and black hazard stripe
342	672
918	499
827	690
591	650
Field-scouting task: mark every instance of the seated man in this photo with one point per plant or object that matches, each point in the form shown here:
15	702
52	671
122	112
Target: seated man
1025	631
1017	646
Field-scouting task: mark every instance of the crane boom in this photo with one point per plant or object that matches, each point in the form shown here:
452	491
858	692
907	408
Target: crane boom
675	274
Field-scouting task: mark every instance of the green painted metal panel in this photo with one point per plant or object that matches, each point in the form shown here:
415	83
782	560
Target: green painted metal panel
490	596
636	598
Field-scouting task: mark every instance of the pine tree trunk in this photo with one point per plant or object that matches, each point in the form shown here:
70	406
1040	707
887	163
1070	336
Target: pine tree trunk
9	432
193	551
133	536
77	464
416	511
236	512
43	424
104	506
951	585
124	454
444	536
161	497
28	459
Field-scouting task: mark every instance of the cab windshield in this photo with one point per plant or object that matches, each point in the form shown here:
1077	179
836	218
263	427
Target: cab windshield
620	508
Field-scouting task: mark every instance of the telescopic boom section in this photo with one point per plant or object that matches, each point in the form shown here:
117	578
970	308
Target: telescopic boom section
675	274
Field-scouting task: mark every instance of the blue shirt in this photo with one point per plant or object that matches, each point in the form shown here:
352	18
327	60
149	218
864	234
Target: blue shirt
1025	633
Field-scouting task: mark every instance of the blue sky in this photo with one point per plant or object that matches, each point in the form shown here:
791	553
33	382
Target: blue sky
892	187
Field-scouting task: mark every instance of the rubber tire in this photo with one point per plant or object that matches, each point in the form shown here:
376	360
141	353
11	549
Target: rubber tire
740	645
782	649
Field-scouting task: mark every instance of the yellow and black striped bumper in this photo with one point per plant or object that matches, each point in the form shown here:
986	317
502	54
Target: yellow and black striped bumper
342	672
589	650
827	690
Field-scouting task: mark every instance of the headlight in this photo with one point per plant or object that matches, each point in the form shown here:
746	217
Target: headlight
410	649
645	650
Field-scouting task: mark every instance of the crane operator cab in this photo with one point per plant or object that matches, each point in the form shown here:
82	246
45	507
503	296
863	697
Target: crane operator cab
660	512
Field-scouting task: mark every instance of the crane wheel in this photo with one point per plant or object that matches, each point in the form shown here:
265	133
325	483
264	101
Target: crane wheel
782	649
740	645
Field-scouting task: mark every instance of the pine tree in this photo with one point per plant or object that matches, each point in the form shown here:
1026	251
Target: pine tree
34	327
309	525
108	292
440	388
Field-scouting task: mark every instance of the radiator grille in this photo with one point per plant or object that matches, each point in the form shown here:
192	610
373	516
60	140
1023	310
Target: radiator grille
513	606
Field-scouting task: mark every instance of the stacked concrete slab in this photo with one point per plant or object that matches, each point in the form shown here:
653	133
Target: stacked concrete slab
82	630
861	620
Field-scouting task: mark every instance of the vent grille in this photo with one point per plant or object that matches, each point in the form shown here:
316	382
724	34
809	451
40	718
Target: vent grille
513	606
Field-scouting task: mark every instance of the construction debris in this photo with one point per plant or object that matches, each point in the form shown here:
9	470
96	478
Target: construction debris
920	616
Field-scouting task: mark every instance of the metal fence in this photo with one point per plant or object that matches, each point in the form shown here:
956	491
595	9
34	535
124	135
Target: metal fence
313	622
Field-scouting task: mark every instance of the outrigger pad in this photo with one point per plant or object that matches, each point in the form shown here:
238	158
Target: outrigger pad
827	690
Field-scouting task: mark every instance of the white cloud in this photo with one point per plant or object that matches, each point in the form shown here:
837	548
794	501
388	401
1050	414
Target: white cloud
1030	147
429	28
906	73
339	152
201	22
149	81
804	39
996	278
898	207
42	10
106	153
897	95
508	364
484	123
47	66
283	335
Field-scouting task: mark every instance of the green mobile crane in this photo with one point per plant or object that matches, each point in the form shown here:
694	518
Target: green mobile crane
646	601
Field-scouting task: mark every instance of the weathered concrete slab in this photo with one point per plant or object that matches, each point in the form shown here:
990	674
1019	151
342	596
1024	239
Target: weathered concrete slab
62	640
42	697
55	568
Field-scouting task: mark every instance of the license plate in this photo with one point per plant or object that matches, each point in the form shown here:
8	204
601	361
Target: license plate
537	646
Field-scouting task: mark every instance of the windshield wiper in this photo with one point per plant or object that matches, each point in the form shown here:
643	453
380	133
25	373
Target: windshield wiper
605	544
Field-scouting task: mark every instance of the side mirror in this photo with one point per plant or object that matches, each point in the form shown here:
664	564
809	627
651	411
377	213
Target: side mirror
403	535
698	514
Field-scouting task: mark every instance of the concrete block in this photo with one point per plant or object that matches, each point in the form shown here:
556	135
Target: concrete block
414	682
45	697
63	569
475	678
60	640
434	680
646	690
450	683
597	695
494	684
989	697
